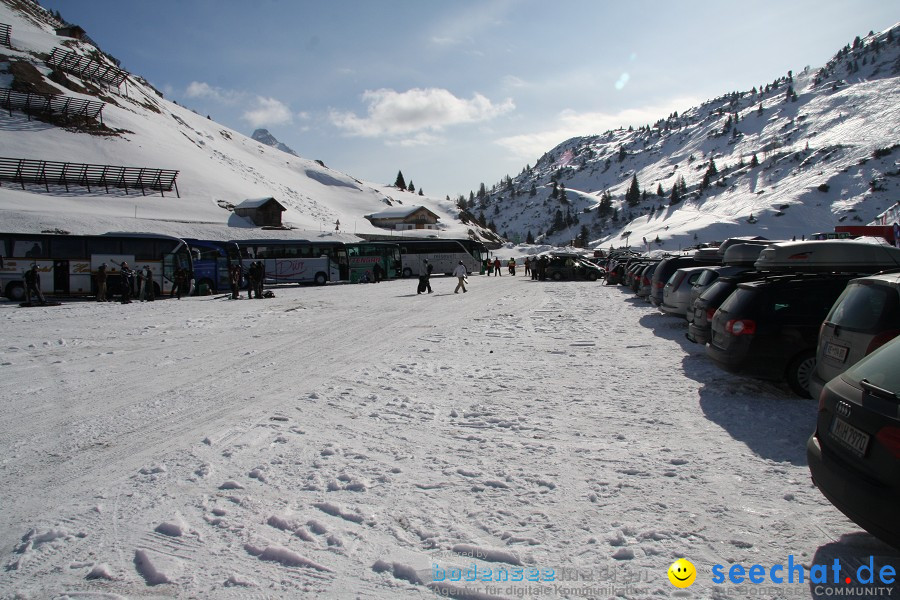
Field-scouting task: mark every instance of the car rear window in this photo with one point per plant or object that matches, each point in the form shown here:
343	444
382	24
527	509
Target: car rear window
879	368
739	301
866	307
707	277
717	291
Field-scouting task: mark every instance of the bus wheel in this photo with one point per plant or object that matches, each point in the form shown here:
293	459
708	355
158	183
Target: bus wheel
15	292
407	272
321	278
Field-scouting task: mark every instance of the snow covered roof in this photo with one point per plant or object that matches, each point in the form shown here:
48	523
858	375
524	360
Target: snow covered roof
399	212
258	202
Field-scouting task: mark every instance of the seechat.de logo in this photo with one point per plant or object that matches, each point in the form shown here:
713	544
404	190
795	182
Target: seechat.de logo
682	573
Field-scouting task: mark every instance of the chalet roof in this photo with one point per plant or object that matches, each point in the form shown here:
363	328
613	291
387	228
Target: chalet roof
259	202
399	212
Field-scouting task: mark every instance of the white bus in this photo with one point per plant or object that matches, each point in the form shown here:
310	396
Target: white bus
294	261
443	255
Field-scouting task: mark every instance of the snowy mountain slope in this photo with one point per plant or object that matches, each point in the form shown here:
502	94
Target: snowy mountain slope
218	166
826	143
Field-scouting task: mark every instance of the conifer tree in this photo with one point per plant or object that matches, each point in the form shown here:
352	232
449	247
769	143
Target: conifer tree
529	239
400	183
754	162
659	191
633	195
410	187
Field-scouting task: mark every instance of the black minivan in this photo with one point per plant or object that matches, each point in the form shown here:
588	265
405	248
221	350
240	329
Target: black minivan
769	328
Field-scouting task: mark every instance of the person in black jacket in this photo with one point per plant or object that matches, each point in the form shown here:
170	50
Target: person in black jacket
33	285
127	280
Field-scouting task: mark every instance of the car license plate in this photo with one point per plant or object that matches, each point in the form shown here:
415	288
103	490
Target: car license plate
836	352
850	436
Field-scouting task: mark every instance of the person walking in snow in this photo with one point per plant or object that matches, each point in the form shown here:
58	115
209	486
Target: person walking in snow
512	266
425	277
460	273
377	272
497	268
527	266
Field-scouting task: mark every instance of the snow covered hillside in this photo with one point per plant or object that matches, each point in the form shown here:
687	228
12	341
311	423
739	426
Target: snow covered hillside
801	154
218	167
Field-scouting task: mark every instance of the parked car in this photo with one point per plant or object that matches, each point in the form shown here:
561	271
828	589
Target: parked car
646	280
854	453
677	291
572	266
709	301
864	317
671	264
769	328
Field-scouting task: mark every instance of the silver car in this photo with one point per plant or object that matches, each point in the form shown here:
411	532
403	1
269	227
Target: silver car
677	292
864	317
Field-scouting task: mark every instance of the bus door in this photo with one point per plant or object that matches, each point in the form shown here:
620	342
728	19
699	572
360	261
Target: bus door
343	263
168	273
61	277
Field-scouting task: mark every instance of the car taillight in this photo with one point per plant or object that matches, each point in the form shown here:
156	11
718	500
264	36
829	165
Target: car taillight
710	313
658	284
645	281
881	339
822	400
889	437
741	326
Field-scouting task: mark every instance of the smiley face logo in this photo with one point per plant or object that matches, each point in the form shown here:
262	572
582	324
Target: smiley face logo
682	573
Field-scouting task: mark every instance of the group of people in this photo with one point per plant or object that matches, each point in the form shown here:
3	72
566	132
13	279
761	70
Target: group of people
425	277
144	277
256	274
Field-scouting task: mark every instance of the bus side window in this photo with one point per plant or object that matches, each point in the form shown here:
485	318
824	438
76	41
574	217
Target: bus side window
29	249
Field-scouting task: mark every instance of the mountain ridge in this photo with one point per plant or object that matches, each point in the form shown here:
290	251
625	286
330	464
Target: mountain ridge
825	142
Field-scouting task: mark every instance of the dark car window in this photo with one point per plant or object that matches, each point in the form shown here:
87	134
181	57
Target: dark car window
717	291
879	368
740	300
866	307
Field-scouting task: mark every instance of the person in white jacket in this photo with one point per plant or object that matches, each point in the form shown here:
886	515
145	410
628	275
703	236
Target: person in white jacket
460	273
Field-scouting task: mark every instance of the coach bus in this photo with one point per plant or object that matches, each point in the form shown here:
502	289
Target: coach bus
212	261
67	263
363	256
304	261
443	254
296	261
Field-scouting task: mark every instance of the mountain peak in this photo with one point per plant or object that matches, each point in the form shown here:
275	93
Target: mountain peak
264	137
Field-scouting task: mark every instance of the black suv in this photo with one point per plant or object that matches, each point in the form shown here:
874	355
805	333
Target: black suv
572	266
769	328
709	302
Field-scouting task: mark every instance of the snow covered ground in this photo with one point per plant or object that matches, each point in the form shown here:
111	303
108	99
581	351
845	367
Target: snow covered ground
360	441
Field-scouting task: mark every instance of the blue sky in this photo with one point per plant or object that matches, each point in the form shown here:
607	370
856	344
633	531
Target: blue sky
459	92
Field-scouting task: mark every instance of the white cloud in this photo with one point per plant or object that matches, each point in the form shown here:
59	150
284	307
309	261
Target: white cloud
268	111
416	110
571	124
199	89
